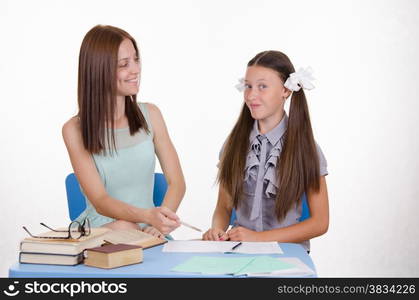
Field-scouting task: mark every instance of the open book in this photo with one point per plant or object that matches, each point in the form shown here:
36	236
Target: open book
133	237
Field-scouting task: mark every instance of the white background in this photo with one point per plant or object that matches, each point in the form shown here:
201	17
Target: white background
364	109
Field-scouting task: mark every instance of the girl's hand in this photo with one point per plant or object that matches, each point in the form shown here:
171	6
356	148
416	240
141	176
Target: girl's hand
243	234
215	234
153	231
163	219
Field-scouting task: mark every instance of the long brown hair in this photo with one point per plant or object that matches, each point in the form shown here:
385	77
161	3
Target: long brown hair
298	163
97	89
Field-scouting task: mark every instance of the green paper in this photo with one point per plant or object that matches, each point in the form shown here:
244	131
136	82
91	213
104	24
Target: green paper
213	265
231	265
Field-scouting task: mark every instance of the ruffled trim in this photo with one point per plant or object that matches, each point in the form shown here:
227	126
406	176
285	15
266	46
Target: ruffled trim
270	170
252	161
252	166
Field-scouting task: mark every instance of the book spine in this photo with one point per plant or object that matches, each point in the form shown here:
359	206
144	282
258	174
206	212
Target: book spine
53	254
78	259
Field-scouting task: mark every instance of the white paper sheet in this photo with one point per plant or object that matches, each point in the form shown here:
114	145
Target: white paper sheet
223	247
300	270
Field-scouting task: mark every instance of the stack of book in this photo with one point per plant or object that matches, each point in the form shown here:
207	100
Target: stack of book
59	251
71	251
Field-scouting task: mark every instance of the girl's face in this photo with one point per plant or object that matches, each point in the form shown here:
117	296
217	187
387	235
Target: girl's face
128	69
264	93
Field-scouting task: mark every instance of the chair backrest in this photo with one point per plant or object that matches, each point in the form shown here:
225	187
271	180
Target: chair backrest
160	188
305	212
77	202
75	198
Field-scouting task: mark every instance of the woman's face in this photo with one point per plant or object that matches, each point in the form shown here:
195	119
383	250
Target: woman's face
264	93
128	69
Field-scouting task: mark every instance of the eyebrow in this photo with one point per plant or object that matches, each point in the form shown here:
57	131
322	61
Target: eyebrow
126	58
261	79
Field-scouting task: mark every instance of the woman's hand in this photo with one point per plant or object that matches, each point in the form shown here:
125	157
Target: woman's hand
163	219
153	231
215	234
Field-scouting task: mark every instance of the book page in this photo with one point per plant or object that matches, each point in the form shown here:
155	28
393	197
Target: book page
132	237
223	247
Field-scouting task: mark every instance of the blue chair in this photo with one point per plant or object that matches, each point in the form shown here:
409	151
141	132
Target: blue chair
305	212
77	202
75	198
160	188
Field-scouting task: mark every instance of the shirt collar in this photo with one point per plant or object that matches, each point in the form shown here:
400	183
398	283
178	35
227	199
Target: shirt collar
273	135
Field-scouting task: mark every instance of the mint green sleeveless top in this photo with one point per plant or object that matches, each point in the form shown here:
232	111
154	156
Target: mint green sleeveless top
128	174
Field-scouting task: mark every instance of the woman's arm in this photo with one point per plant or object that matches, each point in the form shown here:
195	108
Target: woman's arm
169	160
316	225
221	217
89	179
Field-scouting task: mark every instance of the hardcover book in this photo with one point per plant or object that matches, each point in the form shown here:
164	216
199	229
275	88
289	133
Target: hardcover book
113	256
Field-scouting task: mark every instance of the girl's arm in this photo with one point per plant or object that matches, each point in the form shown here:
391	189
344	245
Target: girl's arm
168	159
316	225
89	179
221	217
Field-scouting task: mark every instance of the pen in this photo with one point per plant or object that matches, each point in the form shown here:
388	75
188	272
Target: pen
190	226
236	246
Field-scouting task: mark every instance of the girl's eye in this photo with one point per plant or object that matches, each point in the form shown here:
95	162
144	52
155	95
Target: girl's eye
123	66
262	86
247	86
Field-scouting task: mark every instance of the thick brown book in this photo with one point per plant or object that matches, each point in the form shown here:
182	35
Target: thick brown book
113	256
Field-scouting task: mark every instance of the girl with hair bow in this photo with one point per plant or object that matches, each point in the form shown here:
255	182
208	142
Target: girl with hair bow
270	161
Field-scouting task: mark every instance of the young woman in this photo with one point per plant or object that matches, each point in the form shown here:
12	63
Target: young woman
113	140
270	160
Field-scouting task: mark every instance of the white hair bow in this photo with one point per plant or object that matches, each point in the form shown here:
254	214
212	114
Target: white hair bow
300	79
240	85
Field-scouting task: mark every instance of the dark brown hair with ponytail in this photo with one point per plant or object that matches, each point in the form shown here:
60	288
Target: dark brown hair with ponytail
298	164
97	89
